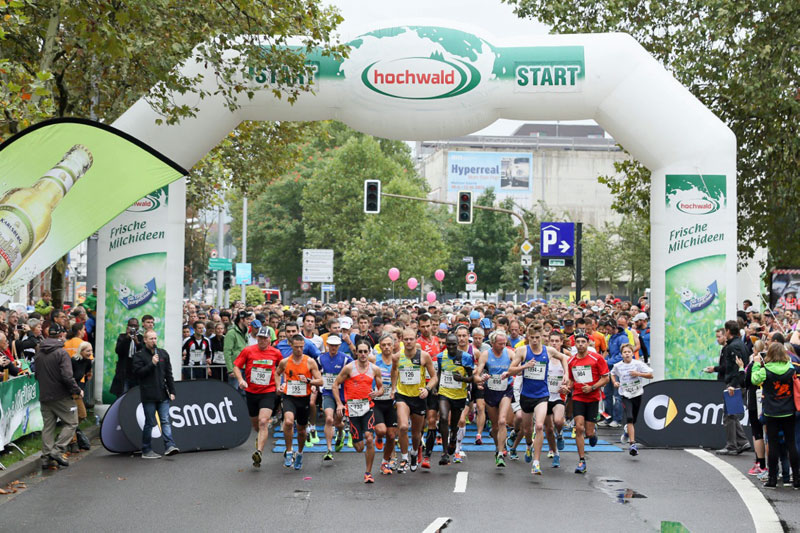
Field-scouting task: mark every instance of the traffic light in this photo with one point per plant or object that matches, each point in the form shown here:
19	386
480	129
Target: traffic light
226	280
464	208
526	279
372	196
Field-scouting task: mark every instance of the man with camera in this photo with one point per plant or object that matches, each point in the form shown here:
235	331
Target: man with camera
128	343
154	372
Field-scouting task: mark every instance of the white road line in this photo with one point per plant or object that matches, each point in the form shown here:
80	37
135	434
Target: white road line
461	482
437	525
764	516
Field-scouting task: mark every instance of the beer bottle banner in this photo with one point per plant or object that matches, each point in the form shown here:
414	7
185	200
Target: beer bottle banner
62	180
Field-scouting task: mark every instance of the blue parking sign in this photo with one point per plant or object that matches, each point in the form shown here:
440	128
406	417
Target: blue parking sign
557	239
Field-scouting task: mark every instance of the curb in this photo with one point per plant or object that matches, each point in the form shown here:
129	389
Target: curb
32	463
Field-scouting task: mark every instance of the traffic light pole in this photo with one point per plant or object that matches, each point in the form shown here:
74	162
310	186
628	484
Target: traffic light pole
578	250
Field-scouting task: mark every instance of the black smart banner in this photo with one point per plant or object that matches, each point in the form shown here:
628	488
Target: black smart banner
206	415
683	413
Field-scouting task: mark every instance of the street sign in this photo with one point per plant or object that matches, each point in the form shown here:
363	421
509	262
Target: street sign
526	247
550	262
213	254
471	267
328	287
467	259
557	239
526	260
318	265
244	273
220	263
472	277
305	286
471	287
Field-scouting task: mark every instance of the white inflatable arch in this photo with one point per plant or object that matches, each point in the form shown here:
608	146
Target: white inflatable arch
417	82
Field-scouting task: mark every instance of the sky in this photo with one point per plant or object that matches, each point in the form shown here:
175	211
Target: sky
495	18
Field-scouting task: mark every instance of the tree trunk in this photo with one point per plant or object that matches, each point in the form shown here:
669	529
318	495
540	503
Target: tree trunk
57	282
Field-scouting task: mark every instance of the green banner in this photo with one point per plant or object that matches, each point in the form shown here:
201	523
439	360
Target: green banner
62	180
20	413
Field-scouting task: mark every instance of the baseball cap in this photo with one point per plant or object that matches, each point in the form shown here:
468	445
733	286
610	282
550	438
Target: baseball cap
334	340
474	315
595	309
569	322
346	322
264	331
377	321
751	309
582	335
640	316
255	324
486	323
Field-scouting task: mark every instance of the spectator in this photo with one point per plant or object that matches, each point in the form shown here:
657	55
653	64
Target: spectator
33	336
43	306
218	352
82	361
90	302
235	341
56	389
128	343
7	364
153	370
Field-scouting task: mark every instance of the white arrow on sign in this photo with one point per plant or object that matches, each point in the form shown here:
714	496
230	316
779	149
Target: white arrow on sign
564	246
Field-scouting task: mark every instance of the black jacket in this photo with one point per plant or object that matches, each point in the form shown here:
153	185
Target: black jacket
155	381
54	371
124	369
728	370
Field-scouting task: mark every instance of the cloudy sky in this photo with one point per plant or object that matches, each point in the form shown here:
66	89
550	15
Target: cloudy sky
495	18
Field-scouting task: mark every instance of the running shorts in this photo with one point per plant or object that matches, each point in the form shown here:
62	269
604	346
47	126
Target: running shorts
493	398
299	405
359	425
529	404
385	413
256	402
631	408
432	402
552	405
588	410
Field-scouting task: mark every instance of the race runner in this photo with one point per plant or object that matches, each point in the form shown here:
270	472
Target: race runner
358	378
626	377
554	423
412	366
331	364
429	343
259	362
385	414
454	379
301	374
498	392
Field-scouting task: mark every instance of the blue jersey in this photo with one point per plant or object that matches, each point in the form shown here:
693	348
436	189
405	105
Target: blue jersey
330	368
534	380
497	365
310	349
386	377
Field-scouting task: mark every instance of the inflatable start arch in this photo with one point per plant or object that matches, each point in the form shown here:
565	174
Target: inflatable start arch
426	82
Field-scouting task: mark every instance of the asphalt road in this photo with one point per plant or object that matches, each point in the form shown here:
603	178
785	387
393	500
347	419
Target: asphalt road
220	490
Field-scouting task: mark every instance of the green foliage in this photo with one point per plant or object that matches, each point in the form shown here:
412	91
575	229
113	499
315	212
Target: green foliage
741	60
253	295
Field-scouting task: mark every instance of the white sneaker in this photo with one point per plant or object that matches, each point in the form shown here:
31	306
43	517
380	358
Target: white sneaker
615	424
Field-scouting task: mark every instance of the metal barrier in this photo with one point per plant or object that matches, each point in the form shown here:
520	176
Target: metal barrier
200	372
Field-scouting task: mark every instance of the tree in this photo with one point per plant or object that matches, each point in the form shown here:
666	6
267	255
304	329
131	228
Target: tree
741	60
491	237
601	256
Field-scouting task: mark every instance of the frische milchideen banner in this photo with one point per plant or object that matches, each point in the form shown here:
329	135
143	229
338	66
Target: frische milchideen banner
60	181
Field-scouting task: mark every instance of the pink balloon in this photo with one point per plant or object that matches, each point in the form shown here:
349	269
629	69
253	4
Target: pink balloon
394	274
439	275
412	283
431	297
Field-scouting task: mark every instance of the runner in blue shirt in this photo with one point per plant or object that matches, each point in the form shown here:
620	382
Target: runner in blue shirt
330	364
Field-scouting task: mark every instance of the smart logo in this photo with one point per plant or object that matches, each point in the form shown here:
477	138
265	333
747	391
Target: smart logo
659	422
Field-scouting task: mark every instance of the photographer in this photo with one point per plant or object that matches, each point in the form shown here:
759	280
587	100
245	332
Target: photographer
33	336
128	343
6	359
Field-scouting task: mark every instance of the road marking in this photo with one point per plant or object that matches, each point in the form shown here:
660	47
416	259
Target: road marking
437	525
461	482
764	516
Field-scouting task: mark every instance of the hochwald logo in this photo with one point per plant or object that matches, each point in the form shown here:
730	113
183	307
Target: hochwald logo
148	203
699	206
421	78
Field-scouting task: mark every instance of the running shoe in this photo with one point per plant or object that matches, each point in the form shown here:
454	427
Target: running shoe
499	462
593	440
368	478
528	454
298	460
550	454
771	485
458	458
313	434
634	450
513	455
339	444
349	440
478	440
288	458
560	442
573	432
426	463
309	443
379	444
402	466
624	439
536	470
451	448
764	475
472	414
556	461
510	439
603	423
328	456
413	465
614	424
257	459
445	460
581	468
756	470
386	469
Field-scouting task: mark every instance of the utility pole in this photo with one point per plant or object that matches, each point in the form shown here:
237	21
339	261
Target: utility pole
220	253
244	239
578	250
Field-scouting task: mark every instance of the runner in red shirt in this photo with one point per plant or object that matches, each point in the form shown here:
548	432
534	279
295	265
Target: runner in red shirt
589	373
259	362
429	343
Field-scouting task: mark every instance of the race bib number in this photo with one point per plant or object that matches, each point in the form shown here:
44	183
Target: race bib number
219	358
582	374
260	376
296	388
497	383
449	382
554	384
409	376
195	357
387	392
357	407
537	372
633	387
329	379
